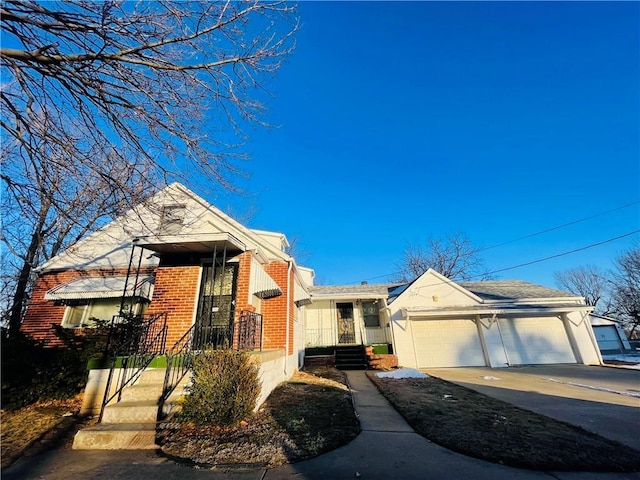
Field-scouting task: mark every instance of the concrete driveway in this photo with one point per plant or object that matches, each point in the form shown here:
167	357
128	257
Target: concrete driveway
603	400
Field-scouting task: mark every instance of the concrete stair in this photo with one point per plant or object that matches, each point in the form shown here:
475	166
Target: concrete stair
130	423
350	357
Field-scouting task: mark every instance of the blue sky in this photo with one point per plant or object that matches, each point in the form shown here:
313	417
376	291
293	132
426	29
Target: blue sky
403	121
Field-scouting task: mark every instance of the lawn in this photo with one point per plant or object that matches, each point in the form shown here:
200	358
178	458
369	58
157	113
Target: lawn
474	424
37	427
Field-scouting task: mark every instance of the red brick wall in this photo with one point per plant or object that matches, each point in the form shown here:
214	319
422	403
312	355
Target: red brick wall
175	292
274	310
242	288
42	313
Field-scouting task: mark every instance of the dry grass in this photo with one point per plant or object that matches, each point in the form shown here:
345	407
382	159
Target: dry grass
36	427
309	415
468	422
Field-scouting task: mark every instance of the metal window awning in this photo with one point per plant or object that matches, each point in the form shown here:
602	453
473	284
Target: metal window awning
300	295
101	287
261	284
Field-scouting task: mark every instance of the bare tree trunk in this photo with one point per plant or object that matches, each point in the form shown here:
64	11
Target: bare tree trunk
22	285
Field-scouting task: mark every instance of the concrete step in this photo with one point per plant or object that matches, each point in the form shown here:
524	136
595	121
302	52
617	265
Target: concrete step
152	376
135	411
131	436
144	391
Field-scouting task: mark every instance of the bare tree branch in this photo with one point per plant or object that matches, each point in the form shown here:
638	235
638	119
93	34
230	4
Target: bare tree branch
103	102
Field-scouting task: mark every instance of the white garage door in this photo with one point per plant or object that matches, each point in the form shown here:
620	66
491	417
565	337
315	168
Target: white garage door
607	337
447	343
535	341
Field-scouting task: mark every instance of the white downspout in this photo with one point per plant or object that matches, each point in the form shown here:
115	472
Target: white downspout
286	340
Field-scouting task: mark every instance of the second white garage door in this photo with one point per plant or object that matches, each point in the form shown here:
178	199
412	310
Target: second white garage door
535	341
447	343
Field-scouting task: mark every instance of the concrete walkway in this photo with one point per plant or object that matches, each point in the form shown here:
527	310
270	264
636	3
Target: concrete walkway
387	448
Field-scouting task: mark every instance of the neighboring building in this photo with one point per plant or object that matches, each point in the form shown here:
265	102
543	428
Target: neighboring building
436	322
609	335
178	257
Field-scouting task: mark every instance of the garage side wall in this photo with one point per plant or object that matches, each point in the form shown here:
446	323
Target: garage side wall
578	326
403	336
493	343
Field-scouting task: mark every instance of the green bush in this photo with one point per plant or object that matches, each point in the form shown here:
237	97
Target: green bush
224	389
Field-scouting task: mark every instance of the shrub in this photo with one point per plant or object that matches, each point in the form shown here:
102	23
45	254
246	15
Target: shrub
224	389
33	372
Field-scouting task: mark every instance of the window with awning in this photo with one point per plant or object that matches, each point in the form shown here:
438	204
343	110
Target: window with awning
261	284
300	294
89	288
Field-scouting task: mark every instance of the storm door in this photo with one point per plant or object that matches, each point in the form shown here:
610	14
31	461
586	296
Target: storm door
346	327
216	305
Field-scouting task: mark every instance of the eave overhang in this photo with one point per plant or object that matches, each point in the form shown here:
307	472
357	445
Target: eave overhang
492	310
191	243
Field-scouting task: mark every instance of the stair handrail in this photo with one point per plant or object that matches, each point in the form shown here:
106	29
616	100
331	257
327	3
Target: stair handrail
141	338
179	362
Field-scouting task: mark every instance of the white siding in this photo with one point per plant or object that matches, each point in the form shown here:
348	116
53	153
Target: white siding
535	341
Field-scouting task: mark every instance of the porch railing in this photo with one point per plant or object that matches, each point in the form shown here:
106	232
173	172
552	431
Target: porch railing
374	335
326	337
132	343
319	337
245	334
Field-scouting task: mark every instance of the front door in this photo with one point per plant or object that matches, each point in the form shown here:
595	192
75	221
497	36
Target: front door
216	305
346	327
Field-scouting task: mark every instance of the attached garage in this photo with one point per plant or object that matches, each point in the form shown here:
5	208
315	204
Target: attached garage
535	341
447	343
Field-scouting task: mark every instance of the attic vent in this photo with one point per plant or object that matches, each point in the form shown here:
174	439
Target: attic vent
172	219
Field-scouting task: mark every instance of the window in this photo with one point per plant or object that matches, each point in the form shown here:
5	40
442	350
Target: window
371	314
87	313
172	219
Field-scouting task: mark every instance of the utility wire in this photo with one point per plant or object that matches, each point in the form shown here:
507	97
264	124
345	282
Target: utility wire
540	233
609	240
565	253
556	227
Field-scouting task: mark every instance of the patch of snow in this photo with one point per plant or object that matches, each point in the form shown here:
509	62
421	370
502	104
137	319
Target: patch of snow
402	373
447	396
626	393
489	377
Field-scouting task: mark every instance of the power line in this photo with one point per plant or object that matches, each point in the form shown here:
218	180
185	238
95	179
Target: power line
565	253
609	240
557	227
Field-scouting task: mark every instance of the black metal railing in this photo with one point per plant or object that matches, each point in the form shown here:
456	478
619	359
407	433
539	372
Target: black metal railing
245	334
249	329
133	342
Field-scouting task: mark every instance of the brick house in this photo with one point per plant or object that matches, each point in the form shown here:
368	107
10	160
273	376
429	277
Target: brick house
178	257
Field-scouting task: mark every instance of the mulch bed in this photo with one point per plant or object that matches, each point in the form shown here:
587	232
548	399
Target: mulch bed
305	417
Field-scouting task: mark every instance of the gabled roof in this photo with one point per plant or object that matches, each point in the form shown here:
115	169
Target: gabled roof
511	290
351	291
487	295
109	247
